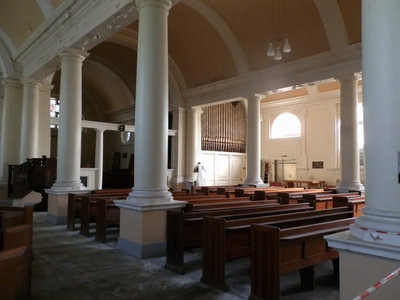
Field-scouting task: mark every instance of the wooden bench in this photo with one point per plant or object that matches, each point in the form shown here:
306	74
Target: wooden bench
276	251
293	197
15	252
311	184
323	201
229	239
355	203
108	215
89	211
185	230
190	207
75	206
111	191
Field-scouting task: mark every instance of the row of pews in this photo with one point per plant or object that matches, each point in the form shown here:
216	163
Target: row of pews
282	231
15	252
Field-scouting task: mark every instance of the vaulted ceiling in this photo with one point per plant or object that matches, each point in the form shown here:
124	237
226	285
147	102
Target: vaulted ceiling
209	40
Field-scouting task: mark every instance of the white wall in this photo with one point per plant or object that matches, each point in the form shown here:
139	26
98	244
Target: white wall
318	116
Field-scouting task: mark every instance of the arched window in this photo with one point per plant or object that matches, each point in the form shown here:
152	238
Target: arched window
286	125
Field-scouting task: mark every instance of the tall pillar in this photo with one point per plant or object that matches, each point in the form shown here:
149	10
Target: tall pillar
349	150
99	158
193	141
30	120
253	141
178	147
69	137
143	215
70	120
44	120
10	127
372	245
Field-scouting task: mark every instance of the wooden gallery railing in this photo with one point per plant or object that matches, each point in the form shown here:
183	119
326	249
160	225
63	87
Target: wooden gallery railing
34	174
223	128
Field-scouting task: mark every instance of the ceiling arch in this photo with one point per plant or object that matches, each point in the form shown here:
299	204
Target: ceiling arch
46	6
7	42
6	63
112	74
129	38
224	31
333	21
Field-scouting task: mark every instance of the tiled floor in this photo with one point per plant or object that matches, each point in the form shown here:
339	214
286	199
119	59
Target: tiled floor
68	266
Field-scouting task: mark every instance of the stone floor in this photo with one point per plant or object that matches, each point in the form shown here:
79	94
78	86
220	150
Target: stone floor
68	266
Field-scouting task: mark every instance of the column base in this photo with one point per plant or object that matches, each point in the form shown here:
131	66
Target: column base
142	251
381	227
345	186
71	185
143	227
362	264
253	181
146	196
57	208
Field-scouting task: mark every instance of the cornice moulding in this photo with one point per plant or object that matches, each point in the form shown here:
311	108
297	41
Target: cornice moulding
107	126
335	63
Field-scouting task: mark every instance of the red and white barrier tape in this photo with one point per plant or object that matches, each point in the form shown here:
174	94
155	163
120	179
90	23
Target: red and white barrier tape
377	231
378	285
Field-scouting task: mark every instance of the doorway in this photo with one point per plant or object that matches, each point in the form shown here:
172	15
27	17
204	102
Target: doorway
285	169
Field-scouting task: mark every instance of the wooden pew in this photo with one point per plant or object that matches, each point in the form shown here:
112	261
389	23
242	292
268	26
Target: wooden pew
190	207
27	212
111	191
108	215
229	239
250	190
185	230
89	211
355	203
15	252
15	275
292	197
276	251
75	205
323	201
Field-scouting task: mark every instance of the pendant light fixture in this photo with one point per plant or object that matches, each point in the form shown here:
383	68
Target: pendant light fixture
278	16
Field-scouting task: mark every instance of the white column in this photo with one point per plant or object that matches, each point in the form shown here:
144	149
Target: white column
349	150
253	141
10	127
178	145
151	115
193	141
99	158
44	120
30	120
381	71
69	131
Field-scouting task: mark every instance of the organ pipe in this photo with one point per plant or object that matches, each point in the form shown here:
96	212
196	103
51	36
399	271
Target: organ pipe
223	128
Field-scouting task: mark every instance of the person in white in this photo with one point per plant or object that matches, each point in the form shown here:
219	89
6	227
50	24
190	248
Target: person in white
201	174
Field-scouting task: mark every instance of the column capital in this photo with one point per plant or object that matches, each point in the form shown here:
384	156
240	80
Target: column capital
73	55
351	78
46	87
100	130
178	109
195	110
11	82
31	82
164	4
254	97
